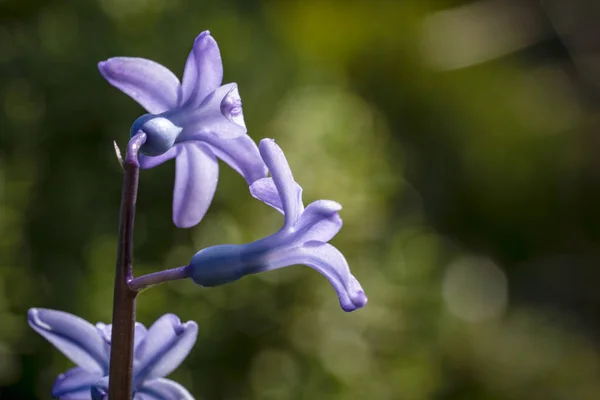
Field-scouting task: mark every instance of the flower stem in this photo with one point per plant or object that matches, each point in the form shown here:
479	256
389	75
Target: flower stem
144	281
121	353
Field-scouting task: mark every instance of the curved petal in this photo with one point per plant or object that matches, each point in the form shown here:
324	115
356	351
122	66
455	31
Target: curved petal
196	177
203	71
76	338
329	262
105	331
162	389
291	197
100	389
264	190
75	383
220	114
241	154
98	394
153	86
139	335
320	221
166	345
147	162
83	394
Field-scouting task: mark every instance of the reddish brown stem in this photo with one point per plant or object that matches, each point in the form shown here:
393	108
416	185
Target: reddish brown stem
123	321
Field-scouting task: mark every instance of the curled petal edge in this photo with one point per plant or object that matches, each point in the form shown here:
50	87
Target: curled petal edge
329	262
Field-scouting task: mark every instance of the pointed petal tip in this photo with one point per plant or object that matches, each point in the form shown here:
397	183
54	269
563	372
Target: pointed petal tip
34	319
32	315
204	39
105	68
203	34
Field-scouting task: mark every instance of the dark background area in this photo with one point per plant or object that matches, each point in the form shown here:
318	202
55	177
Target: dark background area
461	137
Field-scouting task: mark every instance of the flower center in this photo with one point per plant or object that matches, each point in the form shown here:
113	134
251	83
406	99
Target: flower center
231	107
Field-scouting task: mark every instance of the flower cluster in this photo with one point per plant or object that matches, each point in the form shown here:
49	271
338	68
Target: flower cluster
157	352
196	122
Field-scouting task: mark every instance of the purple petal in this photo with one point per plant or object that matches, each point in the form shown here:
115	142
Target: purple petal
147	162
220	115
203	71
75	384
100	389
329	262
264	190
196	177
291	197
320	221
153	86
162	389
139	334
76	338
83	394
105	331
240	153
166	345
98	394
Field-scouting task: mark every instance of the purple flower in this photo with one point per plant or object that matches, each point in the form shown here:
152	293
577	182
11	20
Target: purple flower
157	352
302	239
194	122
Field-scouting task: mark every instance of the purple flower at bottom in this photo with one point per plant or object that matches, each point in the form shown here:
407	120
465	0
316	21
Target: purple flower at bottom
195	122
302	239
157	352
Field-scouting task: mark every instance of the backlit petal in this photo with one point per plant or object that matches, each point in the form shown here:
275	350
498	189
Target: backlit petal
291	197
75	383
162	389
329	262
264	190
166	345
240	153
152	85
139	335
196	177
203	71
320	221
76	338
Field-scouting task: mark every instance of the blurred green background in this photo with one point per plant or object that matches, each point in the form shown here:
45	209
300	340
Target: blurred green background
461	138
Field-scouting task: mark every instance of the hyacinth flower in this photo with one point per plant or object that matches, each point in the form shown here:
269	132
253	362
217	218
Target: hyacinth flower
157	352
302	239
195	122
